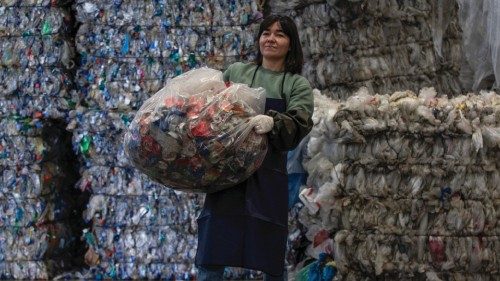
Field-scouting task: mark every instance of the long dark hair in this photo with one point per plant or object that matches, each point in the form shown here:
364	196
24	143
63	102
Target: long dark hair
294	58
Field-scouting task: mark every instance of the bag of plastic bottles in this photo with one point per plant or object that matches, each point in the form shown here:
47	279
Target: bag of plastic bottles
195	134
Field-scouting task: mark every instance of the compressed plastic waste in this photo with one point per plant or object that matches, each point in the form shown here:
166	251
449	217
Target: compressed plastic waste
236	13
137	41
17	125
36	57
36	3
170	15
32	51
17	213
404	185
35	243
119	181
28	21
146	13
35	205
21	270
384	46
143	44
127	51
38	107
134	270
52	82
21	150
430	275
121	70
124	211
395	254
230	41
100	148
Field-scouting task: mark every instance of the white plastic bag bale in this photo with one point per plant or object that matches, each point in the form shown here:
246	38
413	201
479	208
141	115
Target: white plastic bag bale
480	23
195	133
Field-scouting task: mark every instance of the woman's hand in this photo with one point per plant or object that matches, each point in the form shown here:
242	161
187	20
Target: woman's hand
262	123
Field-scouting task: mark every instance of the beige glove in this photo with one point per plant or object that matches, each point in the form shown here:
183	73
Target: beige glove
262	123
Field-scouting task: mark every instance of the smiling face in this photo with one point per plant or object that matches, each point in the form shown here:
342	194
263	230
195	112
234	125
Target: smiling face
274	43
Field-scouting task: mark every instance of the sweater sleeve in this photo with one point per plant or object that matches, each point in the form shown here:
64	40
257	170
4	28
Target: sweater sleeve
295	123
227	74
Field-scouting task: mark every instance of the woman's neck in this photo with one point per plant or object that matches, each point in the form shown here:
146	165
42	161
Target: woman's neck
278	65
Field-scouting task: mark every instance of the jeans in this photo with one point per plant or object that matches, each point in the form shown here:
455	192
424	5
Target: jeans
216	273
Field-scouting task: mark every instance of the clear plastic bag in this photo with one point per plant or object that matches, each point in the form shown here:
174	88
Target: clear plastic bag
195	133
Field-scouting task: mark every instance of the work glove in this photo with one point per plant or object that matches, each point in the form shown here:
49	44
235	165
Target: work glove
262	123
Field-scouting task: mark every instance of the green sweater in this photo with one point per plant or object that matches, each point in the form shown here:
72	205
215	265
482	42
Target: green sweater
293	124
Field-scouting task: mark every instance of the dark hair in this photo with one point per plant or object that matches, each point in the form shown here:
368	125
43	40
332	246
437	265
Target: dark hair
294	58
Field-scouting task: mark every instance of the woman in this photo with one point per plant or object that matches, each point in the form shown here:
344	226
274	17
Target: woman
246	225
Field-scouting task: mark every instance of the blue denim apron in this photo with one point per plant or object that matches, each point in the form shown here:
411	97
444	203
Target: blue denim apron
247	225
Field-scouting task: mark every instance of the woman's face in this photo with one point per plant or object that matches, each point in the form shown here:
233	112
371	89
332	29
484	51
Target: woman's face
274	43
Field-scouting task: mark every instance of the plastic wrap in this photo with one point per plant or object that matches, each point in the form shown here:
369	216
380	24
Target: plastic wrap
441	18
195	134
493	23
479	21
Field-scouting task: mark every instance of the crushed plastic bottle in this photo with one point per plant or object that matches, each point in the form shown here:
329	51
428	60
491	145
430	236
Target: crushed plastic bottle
32	51
53	82
36	3
34	21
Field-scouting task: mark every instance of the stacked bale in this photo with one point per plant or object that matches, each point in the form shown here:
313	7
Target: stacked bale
129	50
138	229
384	45
406	187
36	169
